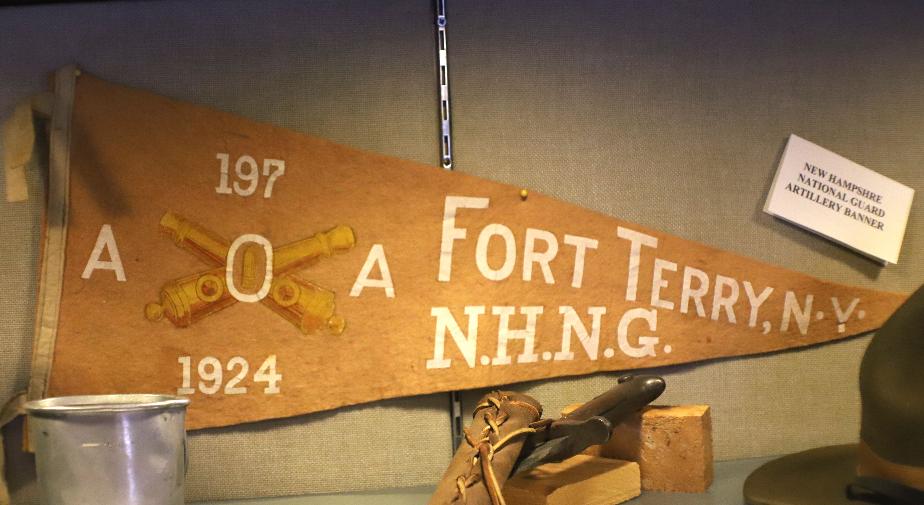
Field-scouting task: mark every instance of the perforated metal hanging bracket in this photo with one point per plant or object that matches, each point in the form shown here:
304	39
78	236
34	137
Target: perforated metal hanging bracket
443	78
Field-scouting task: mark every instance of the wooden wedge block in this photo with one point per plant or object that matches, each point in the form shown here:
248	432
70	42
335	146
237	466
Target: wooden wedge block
581	479
672	445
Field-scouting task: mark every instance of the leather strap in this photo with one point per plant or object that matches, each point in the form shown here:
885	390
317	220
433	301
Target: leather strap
883	492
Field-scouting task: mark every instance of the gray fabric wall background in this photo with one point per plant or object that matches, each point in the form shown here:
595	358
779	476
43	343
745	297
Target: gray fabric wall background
669	114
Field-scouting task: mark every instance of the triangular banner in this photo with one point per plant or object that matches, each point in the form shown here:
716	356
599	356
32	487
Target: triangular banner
267	273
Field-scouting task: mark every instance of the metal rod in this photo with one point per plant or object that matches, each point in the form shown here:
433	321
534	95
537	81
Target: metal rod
455	418
456	423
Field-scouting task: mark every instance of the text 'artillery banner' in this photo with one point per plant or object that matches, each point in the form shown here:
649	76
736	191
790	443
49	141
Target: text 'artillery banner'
268	274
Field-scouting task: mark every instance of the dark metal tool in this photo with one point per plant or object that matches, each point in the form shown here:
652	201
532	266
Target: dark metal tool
590	424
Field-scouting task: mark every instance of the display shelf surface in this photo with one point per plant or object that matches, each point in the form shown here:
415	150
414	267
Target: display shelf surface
725	490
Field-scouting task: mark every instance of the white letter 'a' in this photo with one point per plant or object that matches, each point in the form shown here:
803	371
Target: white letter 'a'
106	240
376	257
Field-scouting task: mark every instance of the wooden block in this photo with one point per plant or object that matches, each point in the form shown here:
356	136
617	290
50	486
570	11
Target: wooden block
570	408
581	479
672	445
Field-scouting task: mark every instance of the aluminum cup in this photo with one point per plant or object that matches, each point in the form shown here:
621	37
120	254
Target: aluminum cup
109	449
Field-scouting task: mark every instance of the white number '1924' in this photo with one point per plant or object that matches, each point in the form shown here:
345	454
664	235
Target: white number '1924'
210	373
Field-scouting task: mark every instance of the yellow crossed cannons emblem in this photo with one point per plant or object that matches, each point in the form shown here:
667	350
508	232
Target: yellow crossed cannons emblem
306	305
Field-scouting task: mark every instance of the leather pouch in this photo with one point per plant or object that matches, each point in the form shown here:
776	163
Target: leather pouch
477	473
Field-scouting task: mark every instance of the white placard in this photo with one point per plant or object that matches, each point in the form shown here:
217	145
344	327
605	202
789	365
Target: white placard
835	197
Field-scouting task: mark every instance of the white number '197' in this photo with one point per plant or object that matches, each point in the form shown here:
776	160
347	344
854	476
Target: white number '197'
248	175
